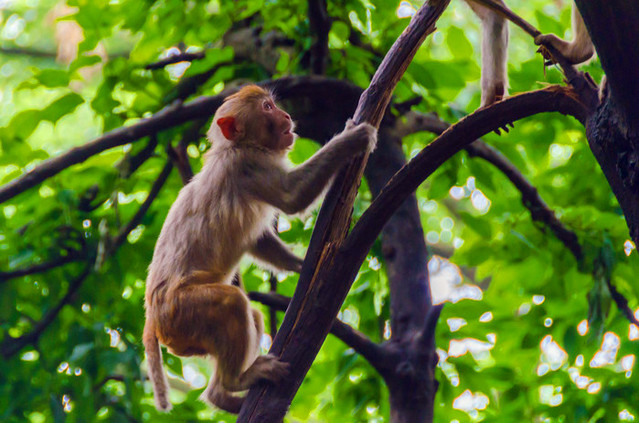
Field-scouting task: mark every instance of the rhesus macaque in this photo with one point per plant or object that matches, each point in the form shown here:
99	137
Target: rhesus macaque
227	210
494	46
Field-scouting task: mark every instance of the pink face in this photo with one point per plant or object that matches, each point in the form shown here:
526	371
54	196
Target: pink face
278	126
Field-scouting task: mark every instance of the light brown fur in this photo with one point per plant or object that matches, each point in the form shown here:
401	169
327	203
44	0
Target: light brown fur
226	211
494	49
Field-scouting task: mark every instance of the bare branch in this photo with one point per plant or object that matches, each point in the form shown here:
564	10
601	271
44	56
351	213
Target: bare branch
353	338
40	267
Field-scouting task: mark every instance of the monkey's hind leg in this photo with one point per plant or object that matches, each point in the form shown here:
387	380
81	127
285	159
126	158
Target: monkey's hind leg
221	398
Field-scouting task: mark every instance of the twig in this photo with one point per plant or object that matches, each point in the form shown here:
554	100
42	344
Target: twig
176	58
503	10
40	267
139	215
621	302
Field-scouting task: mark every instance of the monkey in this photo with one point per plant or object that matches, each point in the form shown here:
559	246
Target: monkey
494	46
223	213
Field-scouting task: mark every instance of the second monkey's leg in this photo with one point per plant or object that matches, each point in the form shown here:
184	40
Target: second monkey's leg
494	54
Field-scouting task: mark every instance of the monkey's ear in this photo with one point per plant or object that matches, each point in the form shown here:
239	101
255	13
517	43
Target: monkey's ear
228	127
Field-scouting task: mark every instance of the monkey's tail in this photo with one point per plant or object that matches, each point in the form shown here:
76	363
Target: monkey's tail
154	362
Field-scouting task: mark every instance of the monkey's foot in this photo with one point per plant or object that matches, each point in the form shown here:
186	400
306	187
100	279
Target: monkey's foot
269	367
222	399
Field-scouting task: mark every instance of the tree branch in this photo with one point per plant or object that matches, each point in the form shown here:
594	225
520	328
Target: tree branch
531	199
139	215
179	154
176	58
318	279
456	137
353	338
168	117
40	267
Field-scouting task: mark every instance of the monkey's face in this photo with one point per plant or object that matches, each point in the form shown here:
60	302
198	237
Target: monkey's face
274	126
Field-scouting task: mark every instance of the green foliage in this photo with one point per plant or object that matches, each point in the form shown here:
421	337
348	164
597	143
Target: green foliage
523	299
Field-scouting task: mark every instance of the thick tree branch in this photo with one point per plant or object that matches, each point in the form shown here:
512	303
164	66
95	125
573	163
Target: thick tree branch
456	137
144	207
539	210
296	342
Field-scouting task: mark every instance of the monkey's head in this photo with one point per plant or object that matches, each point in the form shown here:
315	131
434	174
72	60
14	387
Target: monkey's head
250	117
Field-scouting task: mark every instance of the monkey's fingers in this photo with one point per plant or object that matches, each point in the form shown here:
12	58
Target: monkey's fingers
549	59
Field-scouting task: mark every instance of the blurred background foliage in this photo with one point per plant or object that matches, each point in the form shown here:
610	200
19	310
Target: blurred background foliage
529	334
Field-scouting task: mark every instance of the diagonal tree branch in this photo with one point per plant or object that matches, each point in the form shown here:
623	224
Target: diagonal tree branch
451	141
539	210
144	207
317	281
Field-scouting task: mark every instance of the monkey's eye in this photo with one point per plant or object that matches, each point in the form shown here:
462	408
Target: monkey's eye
268	105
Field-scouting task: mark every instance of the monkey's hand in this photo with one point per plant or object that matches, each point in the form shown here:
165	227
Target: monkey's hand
363	135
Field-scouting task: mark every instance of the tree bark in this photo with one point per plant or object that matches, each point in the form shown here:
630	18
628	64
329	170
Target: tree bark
322	286
613	129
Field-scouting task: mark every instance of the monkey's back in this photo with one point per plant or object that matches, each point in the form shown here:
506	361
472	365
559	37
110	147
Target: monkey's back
211	224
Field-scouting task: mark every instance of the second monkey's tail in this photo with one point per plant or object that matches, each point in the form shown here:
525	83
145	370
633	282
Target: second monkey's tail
154	363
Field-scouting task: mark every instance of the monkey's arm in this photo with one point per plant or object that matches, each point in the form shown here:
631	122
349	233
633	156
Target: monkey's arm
293	191
579	49
271	249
